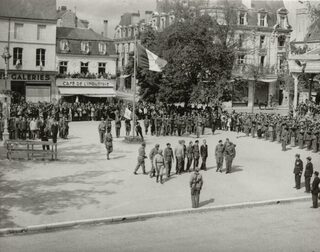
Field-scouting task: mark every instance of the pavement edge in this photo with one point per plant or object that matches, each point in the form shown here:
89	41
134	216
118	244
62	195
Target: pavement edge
143	216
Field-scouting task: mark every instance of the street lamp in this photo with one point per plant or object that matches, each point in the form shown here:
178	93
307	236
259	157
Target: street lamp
6	105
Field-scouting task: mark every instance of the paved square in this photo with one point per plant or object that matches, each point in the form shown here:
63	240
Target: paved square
83	184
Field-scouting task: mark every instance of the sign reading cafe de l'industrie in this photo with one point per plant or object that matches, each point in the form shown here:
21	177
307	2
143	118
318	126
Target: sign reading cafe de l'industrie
84	83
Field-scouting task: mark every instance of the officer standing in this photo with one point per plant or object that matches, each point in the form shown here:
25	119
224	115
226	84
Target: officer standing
102	129
141	157
204	155
308	174
315	189
230	154
152	154
196	183
108	143
298	168
189	153
159	165
168	159
219	155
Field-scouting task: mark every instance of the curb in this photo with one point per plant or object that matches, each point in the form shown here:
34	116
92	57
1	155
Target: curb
143	216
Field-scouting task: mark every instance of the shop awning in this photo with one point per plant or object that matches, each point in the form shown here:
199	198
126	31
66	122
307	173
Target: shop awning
91	92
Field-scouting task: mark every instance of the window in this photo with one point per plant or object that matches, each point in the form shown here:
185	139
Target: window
262	20
18	31
63	67
102	68
262	61
102	48
85	47
17	56
241	59
64	45
282	21
241	40
242	18
84	67
281	40
281	63
262	40
41	57
41	32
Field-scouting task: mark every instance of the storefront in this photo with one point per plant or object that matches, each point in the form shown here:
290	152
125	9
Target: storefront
32	86
85	89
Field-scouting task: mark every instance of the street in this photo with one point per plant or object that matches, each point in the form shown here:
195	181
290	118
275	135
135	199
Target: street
290	227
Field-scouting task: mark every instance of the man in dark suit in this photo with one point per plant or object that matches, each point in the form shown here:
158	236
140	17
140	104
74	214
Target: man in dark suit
196	154
308	174
315	189
297	171
204	155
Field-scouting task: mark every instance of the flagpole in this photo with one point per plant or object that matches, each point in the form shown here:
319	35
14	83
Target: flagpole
134	85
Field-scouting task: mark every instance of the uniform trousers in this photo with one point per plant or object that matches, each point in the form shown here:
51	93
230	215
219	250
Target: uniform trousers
101	135
228	163
315	200
219	161
142	164
189	162
307	183
179	166
195	198
195	162
297	180
168	165
204	163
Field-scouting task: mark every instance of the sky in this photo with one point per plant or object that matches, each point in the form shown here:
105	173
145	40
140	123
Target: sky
95	11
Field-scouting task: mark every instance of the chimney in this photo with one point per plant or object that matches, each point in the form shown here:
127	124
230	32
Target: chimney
105	28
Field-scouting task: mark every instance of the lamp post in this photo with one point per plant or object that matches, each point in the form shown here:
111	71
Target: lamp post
6	105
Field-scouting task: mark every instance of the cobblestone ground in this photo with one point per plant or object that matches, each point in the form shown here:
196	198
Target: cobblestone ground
83	184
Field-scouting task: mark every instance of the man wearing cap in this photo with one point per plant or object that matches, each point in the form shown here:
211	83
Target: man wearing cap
196	183
168	158
219	155
102	129
204	155
308	174
152	154
159	165
315	189
141	157
298	168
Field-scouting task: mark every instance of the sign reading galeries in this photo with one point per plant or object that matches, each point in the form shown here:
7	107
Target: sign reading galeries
84	83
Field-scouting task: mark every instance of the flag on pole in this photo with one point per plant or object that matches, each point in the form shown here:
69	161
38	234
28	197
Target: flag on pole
149	60
127	114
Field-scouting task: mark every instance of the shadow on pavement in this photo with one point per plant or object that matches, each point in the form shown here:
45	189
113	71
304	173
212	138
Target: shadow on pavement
206	202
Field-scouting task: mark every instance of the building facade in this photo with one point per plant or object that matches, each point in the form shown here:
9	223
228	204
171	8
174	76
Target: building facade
28	29
86	64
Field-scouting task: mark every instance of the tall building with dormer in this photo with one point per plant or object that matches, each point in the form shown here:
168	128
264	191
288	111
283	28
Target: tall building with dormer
28	29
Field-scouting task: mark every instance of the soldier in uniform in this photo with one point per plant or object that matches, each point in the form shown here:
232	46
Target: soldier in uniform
297	171
146	123
230	154
141	157
314	141
308	174
301	139
160	166
189	153
219	155
196	154
108	143
152	154
204	155
168	159
196	183
102	129
315	189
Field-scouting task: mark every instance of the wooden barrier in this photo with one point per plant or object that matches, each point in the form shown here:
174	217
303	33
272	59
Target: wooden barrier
29	147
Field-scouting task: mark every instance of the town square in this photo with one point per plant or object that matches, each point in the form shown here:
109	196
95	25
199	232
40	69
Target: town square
161	125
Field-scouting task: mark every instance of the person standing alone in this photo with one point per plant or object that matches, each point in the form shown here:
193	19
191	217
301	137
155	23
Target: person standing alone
298	168
315	189
196	183
308	174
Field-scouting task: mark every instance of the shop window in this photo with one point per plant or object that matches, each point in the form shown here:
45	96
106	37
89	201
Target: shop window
18	31
102	68
262	40
84	67
17	56
41	32
41	57
102	48
241	59
63	67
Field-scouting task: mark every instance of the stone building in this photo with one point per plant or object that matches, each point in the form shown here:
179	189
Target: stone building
28	29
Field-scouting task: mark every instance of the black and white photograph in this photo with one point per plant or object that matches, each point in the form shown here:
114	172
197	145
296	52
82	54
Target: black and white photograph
159	125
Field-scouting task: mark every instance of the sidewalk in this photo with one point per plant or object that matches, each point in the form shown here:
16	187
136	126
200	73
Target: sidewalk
84	185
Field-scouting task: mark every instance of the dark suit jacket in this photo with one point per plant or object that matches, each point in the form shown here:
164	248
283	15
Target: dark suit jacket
309	170
204	150
315	185
298	166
